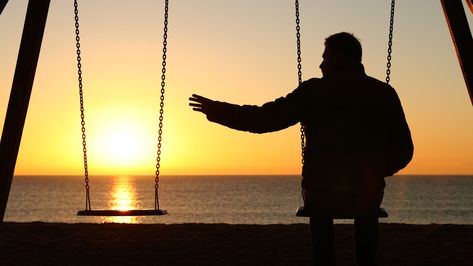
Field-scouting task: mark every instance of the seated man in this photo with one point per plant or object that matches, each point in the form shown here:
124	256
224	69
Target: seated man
356	135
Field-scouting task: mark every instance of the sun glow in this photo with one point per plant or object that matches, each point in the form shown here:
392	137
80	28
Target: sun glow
122	144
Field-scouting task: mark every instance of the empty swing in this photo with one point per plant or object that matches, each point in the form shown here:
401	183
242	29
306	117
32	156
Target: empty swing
305	212
88	209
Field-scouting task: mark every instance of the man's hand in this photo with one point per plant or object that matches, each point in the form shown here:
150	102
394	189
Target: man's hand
200	104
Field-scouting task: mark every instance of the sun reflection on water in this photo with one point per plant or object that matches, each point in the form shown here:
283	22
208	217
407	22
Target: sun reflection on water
123	197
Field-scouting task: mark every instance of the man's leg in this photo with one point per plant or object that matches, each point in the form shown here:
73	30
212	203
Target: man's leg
321	229
366	240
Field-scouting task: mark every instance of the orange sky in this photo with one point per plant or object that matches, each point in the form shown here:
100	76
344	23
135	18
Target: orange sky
238	51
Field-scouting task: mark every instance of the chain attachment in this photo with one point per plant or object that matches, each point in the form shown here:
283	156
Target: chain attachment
390	42
82	115
161	105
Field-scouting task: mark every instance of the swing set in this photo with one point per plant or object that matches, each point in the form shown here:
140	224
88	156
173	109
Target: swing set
30	46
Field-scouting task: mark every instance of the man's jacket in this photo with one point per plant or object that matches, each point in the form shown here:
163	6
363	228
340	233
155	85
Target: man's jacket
356	134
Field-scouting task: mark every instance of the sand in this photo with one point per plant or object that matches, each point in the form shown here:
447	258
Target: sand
221	244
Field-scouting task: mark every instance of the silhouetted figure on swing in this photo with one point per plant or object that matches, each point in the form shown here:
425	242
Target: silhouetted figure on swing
356	135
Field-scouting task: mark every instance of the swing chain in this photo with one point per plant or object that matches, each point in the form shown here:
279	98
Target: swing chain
82	115
161	105
390	42
299	71
298	37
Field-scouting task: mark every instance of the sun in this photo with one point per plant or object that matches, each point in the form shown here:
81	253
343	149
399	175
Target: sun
121	145
124	145
126	142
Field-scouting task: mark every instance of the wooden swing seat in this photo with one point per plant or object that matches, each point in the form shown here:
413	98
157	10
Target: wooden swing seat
305	212
121	212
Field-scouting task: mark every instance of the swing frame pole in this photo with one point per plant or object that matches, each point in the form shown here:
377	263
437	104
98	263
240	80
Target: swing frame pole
3	3
461	37
27	61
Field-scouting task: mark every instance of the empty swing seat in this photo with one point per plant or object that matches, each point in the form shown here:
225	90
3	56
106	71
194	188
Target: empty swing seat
88	210
306	212
121	212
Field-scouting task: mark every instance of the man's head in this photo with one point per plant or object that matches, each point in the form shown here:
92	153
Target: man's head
342	51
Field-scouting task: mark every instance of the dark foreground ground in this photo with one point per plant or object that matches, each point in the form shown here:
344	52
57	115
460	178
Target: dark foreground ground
221	244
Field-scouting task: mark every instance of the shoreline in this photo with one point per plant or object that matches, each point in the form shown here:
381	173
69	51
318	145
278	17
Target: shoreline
222	244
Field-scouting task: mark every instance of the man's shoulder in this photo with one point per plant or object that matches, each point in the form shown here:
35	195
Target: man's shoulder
311	83
379	85
383	89
377	82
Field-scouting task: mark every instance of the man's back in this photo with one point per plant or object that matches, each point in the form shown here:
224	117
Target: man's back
352	122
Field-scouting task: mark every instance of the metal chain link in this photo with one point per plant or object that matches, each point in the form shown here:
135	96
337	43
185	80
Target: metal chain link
82	115
390	42
161	105
298	37
299	71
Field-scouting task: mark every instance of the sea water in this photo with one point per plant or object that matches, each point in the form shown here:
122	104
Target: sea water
226	199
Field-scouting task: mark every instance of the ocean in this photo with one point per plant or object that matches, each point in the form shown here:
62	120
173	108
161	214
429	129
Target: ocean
226	199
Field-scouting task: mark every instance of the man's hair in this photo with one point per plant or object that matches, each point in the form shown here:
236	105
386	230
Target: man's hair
346	44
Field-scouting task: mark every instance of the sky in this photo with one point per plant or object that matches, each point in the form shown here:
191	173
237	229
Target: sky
242	52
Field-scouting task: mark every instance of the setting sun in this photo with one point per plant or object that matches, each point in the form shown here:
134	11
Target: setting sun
121	145
123	142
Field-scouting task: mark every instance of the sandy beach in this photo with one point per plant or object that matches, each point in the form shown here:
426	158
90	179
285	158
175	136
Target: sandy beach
221	244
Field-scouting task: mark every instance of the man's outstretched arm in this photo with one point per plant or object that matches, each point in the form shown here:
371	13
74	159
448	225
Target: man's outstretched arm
271	116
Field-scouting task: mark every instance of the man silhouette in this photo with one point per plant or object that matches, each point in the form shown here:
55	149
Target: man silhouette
356	135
